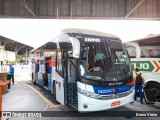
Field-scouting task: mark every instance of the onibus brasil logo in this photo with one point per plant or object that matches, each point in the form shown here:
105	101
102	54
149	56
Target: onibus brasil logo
148	66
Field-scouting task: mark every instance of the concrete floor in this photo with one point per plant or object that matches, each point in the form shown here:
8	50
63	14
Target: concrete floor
19	76
22	98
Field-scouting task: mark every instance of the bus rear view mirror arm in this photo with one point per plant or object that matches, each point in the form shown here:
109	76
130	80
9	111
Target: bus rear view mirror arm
76	47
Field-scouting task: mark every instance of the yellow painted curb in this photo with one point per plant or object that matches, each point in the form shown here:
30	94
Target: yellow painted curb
49	103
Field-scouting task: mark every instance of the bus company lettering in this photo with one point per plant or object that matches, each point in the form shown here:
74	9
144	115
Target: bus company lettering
141	65
92	39
151	66
107	90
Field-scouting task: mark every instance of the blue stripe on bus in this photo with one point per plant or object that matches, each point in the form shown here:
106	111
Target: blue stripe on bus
112	90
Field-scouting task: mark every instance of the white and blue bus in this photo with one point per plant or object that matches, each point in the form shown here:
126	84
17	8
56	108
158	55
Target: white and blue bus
92	70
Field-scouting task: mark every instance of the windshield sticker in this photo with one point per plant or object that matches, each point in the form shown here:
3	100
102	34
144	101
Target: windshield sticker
108	42
112	90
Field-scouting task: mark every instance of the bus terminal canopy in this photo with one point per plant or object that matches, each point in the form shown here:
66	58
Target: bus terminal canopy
11	45
149	40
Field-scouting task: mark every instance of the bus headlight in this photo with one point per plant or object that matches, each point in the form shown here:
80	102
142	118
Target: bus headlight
132	89
88	94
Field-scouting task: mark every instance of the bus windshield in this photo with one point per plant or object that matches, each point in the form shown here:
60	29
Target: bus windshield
104	60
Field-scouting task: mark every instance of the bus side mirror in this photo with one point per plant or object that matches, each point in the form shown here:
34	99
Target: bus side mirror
75	46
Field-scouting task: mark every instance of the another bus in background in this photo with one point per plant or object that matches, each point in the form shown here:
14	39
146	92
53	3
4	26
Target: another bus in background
145	55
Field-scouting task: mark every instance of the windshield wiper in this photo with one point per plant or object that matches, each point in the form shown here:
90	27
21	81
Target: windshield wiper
109	53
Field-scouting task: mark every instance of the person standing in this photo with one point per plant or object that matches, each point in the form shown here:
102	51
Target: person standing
37	65
11	72
139	79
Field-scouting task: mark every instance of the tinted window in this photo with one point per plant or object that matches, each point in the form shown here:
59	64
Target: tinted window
59	62
131	51
150	51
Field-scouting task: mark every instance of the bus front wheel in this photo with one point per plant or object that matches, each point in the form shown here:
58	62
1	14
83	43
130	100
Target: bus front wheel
154	89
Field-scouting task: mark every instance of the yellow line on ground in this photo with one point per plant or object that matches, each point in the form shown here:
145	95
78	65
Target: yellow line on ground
49	103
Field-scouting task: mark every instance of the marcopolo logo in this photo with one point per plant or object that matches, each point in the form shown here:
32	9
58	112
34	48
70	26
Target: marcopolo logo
107	91
113	90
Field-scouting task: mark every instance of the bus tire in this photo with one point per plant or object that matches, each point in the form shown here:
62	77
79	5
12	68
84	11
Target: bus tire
146	101
155	88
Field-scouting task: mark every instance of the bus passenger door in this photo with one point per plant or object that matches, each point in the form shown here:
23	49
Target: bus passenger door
72	71
59	78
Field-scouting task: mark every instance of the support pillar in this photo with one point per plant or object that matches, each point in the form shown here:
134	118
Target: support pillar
26	56
15	50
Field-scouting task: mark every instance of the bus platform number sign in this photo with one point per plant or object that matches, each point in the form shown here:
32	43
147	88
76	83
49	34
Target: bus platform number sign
117	103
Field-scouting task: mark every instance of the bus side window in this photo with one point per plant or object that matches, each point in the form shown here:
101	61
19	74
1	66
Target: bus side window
131	51
151	53
83	53
59	62
157	53
144	54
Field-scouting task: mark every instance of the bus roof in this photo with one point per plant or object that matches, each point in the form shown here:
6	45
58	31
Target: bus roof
81	31
90	32
149	40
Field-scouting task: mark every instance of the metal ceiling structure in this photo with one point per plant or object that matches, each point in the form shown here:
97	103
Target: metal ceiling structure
14	46
81	9
76	9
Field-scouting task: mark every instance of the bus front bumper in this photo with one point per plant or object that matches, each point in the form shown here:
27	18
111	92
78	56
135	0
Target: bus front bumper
87	104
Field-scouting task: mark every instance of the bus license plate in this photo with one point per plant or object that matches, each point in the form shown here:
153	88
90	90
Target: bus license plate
117	103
